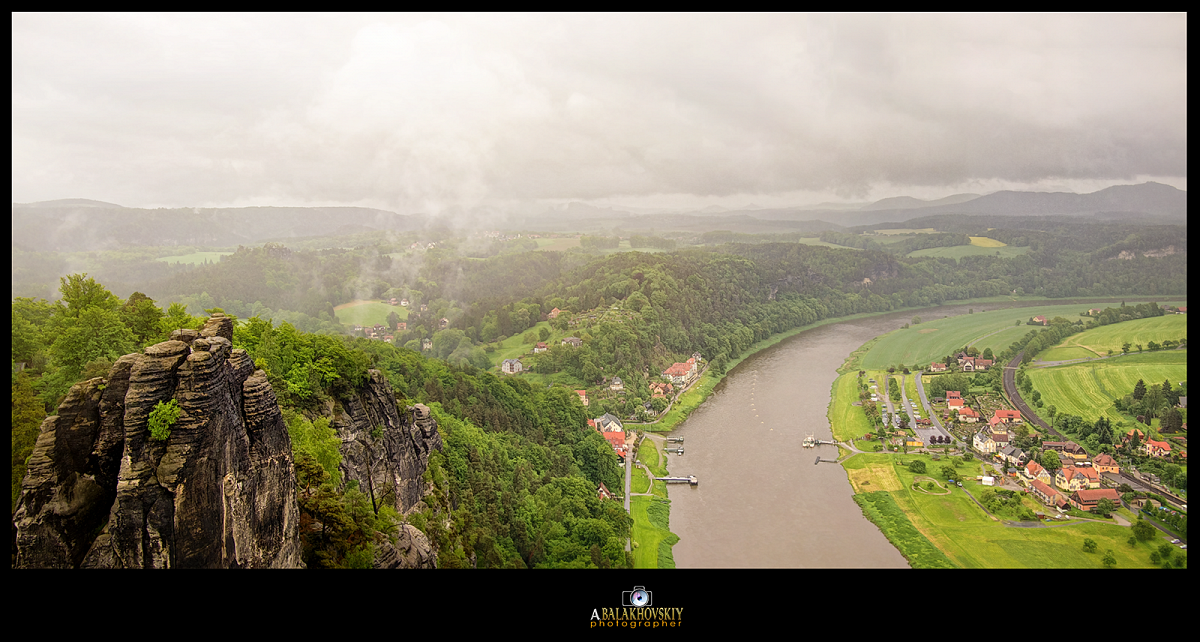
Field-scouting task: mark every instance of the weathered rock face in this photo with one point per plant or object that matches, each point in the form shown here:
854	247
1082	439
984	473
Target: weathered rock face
411	550
391	465
218	492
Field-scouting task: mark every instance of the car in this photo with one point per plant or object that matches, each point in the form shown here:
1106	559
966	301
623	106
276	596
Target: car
1174	541
960	484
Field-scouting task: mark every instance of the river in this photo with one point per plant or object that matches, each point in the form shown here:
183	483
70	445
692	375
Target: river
761	501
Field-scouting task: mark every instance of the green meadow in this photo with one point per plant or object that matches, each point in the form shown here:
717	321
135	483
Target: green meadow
1088	389
195	258
959	251
368	312
1100	341
937	338
963	535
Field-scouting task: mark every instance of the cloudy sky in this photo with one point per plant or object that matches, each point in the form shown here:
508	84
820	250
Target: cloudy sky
429	113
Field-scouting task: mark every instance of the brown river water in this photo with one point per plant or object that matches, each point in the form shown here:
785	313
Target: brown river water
761	501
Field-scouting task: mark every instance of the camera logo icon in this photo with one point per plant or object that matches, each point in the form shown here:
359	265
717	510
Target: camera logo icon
638	597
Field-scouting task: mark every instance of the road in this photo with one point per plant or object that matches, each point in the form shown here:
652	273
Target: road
923	432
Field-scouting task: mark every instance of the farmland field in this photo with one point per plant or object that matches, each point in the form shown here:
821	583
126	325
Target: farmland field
983	241
1088	389
968	537
817	241
959	251
1097	342
557	245
367	312
195	258
951	334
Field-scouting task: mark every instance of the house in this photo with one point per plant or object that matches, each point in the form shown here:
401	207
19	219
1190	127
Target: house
1106	464
426	344
1127	437
424	307
511	366
914	442
680	373
1089	498
954	403
603	492
1068	448
402	326
404	302
392	301
1072	478
1034	471
1045	493
1156	448
968	415
540	347
608	423
617	385
937	367
987	441
444	323
1013	455
582	397
1094	311
1040	319
554	313
1008	416
953	394
574	342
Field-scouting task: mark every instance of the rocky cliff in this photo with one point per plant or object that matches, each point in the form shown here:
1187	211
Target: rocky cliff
218	492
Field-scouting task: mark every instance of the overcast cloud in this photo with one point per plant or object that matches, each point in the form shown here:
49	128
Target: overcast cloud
427	113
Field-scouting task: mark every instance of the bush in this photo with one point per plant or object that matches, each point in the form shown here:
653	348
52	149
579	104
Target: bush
917	466
162	418
1089	545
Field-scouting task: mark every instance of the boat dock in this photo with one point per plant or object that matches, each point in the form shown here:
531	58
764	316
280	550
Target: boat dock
812	442
690	479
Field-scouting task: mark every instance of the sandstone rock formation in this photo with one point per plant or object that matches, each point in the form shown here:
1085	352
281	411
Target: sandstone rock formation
218	492
386	452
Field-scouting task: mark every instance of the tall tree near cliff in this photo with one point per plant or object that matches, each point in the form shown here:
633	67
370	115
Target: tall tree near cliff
27	415
143	317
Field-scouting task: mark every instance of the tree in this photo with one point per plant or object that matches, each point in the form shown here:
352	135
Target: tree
917	466
143	317
1089	545
162	418
80	292
949	472
1049	460
1139	389
1110	560
393	320
1143	531
1105	507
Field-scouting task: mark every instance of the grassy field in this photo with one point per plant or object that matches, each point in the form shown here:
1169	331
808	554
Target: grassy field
966	535
959	251
651	523
515	346
847	421
936	338
557	245
983	241
1097	342
1088	389
367	312
817	241
195	258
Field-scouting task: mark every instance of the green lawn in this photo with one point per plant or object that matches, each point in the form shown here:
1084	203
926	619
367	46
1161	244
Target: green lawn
515	346
970	538
1088	389
369	313
959	251
847	421
195	258
936	338
1097	342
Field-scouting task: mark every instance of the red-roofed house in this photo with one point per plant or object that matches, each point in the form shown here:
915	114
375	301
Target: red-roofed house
603	492
582	396
953	403
967	415
937	366
1072	478
1087	499
1034	471
554	313
1156	448
1106	464
681	372
1008	416
953	394
540	347
1046	494
1040	319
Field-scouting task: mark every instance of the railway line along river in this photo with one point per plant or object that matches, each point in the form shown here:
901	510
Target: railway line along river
761	501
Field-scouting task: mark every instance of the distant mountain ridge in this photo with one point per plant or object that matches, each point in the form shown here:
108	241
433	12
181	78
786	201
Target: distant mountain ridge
76	225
